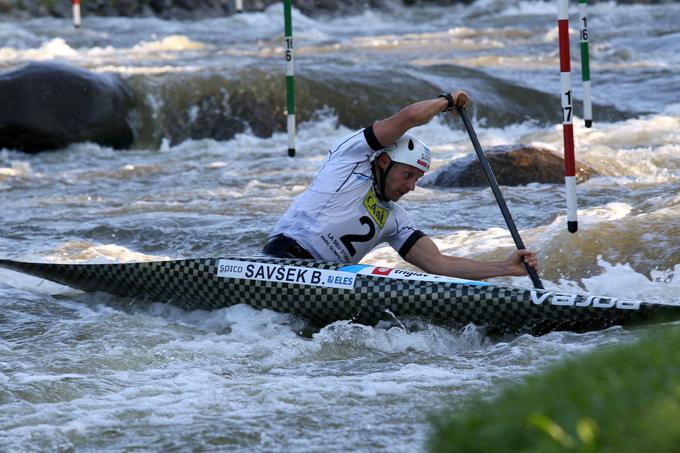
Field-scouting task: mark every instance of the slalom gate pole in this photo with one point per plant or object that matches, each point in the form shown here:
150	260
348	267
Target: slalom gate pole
76	13
239	6
585	63
497	193
290	76
567	113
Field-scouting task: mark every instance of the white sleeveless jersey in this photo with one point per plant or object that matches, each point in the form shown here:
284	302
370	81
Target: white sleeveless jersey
339	217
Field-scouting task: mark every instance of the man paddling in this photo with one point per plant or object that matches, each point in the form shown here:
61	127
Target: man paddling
350	206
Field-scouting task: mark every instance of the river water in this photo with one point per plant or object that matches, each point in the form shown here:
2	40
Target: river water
84	372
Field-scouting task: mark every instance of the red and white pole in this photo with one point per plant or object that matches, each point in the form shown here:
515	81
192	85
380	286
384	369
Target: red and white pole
76	13
567	113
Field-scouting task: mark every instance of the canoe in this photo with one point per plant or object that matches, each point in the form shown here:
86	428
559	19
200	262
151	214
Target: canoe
322	293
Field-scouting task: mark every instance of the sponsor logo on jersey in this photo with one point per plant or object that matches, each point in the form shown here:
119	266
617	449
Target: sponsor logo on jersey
574	300
296	275
377	212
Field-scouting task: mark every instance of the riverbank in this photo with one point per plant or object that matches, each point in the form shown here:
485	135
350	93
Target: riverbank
623	398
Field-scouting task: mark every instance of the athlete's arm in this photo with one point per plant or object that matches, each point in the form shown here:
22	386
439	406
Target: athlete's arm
426	255
389	130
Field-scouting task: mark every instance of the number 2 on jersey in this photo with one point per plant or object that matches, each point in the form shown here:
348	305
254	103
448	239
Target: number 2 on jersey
348	239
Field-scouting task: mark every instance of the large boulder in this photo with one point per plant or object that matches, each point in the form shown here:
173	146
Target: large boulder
513	165
48	106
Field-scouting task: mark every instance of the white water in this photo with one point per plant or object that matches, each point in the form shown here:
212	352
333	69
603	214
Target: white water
86	372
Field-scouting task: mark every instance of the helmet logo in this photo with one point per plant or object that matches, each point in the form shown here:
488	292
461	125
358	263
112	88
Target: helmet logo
410	151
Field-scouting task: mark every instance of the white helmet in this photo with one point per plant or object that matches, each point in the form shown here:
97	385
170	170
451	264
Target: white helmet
409	150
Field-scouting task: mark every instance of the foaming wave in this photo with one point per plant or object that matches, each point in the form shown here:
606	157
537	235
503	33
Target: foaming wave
645	148
513	8
643	132
252	339
55	48
148	70
84	251
617	233
16	170
666	201
409	336
15	174
274	337
454	39
621	280
169	43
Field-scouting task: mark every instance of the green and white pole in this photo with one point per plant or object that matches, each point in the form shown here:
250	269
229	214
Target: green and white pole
585	63
290	76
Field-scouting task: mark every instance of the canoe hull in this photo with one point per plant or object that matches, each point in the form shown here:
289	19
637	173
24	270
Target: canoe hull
301	287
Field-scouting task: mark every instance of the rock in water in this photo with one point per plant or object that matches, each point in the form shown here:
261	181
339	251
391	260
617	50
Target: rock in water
47	106
512	165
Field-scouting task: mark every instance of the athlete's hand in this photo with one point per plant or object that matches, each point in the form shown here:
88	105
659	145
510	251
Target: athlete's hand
460	99
515	263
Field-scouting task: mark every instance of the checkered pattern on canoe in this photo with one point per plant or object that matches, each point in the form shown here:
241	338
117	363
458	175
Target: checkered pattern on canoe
193	284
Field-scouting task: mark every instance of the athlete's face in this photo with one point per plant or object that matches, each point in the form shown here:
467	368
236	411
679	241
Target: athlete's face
401	180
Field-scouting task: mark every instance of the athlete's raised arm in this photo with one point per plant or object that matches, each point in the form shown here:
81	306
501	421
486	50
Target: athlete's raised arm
389	130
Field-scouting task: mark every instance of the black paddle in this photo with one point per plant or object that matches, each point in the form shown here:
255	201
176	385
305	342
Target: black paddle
497	193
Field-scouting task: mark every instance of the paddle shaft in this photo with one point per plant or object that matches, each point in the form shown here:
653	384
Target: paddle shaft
497	193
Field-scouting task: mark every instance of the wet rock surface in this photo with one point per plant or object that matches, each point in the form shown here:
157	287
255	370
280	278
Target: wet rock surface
513	165
47	106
